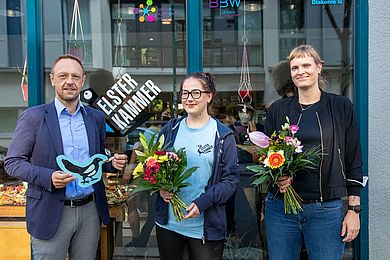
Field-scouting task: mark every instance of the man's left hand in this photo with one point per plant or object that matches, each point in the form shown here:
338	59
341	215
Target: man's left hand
193	211
119	161
351	226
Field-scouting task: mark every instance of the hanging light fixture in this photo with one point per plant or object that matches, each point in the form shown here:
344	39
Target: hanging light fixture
254	6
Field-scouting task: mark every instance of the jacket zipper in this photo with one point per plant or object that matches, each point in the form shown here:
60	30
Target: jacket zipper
216	167
341	163
322	154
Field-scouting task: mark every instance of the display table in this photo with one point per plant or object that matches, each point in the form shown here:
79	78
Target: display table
14	239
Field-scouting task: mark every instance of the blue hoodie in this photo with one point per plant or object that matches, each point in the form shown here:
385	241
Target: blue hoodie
221	185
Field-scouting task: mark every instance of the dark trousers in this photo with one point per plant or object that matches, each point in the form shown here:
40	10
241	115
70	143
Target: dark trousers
171	246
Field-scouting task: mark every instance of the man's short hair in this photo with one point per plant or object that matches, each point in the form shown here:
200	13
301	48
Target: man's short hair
67	56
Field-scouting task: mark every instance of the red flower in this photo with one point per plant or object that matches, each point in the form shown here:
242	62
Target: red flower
160	152
153	165
148	171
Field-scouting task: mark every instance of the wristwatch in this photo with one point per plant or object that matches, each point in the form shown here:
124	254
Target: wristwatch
355	208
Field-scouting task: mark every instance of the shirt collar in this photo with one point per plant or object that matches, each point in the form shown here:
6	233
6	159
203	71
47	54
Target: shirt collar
60	107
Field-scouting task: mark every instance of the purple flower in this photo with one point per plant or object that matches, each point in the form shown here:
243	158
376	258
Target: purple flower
259	139
294	128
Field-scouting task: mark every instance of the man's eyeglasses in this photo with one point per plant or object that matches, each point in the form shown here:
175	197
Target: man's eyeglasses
195	93
65	76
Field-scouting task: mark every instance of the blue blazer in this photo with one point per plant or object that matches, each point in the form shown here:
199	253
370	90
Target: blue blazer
32	156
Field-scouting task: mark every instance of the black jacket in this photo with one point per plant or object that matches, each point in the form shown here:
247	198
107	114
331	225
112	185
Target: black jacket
221	186
341	162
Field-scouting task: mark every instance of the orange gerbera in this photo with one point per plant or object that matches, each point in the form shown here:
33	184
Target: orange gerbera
275	159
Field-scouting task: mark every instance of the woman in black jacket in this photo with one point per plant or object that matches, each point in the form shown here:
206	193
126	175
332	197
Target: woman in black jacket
327	120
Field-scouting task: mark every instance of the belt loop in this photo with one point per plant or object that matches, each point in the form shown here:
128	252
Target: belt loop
71	204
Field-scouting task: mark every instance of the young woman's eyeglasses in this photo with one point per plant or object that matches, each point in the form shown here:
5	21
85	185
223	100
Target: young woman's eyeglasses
195	93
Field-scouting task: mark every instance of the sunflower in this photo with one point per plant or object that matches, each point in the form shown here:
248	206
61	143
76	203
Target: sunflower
274	159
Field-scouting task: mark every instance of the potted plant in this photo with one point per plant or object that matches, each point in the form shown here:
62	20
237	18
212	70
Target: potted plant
76	48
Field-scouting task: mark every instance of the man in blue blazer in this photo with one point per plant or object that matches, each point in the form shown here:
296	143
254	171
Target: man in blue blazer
62	217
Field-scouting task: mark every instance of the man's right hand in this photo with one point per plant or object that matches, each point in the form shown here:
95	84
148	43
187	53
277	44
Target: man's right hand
60	179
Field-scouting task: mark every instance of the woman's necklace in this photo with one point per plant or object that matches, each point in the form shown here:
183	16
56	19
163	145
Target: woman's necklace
304	109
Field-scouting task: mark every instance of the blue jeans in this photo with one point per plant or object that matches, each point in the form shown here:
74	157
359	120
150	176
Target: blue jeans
319	225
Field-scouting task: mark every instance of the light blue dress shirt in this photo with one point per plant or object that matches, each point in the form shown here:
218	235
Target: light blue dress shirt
75	144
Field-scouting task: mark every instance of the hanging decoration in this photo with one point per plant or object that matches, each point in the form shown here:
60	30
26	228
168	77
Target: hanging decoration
76	45
245	90
119	50
146	12
24	82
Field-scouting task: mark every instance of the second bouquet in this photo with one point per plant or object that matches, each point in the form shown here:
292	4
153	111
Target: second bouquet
161	169
282	155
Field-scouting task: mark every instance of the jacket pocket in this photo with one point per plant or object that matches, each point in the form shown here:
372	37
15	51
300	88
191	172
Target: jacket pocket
35	194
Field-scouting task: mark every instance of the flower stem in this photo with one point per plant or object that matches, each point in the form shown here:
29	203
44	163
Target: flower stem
292	201
177	205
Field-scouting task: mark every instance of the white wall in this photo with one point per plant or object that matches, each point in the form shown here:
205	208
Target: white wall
379	129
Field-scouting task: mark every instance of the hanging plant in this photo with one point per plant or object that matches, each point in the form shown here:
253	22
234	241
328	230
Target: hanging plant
76	46
245	90
119	55
24	81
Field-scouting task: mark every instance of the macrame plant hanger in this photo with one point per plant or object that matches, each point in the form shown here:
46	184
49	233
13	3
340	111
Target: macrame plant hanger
73	36
24	83
119	51
245	88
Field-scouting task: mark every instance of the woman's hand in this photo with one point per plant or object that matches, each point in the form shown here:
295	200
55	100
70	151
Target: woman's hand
193	211
283	183
166	195
251	126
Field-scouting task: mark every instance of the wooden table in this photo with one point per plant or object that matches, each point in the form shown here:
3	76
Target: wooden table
14	239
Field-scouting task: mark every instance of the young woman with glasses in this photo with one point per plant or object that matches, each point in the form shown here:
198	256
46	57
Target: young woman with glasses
211	146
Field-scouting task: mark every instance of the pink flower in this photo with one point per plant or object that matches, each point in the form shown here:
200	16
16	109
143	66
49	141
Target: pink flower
289	140
294	128
259	139
173	156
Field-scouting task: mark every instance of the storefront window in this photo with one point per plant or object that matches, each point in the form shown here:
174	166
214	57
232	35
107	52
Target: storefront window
292	26
12	68
223	29
147	40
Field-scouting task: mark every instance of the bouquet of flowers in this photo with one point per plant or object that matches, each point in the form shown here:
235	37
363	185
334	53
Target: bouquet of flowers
282	155
162	169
